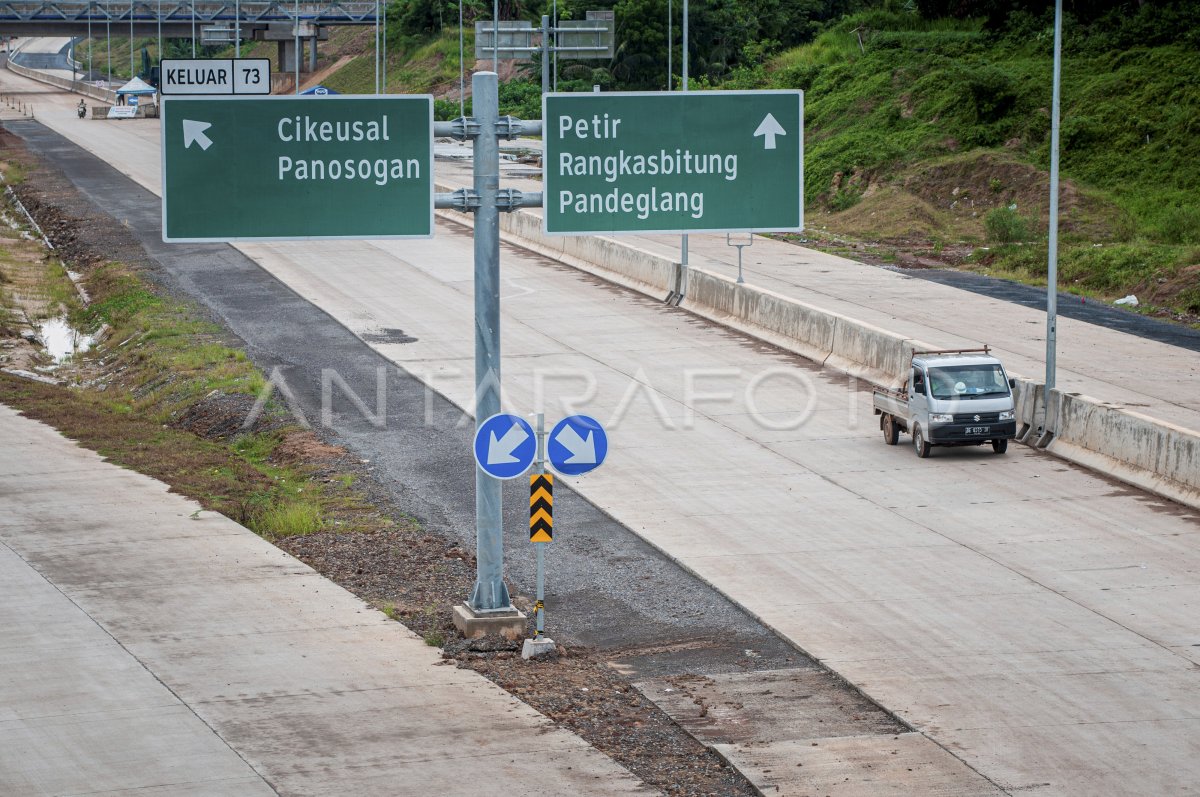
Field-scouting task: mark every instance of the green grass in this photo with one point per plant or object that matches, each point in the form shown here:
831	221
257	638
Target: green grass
917	91
289	519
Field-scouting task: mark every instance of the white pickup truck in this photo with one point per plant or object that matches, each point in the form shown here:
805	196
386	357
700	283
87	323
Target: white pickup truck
959	397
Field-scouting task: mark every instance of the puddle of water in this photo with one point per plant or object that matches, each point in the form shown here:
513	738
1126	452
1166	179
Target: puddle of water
62	340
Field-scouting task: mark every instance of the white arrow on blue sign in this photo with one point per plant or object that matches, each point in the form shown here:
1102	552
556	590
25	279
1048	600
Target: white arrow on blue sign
505	446
577	445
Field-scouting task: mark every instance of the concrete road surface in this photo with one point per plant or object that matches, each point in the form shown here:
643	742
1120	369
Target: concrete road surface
152	648
1035	619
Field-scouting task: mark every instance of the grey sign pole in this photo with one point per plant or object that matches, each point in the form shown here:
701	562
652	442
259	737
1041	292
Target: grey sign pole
683	246
1052	264
545	55
490	592
539	467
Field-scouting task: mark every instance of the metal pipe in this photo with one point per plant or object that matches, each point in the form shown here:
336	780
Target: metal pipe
237	29
545	54
462	67
540	468
495	39
1052	259
490	592
683	244
132	73
670	43
376	46
108	38
193	28
296	46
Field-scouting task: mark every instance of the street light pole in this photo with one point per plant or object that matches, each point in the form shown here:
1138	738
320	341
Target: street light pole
108	38
1052	260
462	67
683	246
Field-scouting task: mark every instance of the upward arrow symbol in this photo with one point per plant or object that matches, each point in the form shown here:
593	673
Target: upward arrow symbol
768	129
193	131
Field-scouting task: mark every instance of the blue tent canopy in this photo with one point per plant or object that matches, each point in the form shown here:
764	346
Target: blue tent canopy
319	91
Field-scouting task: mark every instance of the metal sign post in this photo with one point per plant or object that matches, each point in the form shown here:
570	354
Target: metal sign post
541	521
489	608
740	246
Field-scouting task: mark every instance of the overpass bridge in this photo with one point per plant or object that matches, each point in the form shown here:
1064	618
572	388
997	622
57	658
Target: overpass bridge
177	18
290	25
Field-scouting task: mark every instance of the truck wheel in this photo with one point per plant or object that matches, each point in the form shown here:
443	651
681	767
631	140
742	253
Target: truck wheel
891	434
999	446
919	442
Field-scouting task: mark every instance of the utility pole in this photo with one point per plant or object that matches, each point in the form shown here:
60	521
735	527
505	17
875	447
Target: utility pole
1052	264
683	245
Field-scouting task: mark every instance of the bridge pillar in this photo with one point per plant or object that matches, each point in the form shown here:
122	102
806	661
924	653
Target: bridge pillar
288	53
284	34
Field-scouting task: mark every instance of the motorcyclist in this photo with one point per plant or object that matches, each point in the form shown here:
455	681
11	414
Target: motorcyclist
81	109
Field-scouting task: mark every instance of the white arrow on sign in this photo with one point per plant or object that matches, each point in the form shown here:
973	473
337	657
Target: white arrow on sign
193	131
768	129
583	449
500	450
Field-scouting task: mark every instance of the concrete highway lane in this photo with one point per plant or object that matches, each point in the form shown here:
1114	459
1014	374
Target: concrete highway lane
1035	619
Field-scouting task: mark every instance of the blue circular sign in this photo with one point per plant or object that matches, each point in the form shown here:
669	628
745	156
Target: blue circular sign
577	444
505	446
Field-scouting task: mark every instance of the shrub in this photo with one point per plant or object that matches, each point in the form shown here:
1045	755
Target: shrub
1005	225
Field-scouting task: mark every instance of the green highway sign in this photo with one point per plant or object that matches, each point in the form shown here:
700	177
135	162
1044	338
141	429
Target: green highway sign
297	168
712	161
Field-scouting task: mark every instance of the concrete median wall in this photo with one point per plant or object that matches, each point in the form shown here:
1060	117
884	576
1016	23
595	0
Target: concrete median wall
1137	449
77	86
792	325
1143	451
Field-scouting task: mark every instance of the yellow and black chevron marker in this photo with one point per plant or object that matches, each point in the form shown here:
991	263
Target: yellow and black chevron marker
541	507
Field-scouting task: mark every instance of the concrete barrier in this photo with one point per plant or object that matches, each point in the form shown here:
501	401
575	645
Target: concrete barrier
606	258
1143	451
777	319
77	86
1134	448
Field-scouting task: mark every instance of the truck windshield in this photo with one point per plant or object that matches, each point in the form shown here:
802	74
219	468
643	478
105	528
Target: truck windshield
967	381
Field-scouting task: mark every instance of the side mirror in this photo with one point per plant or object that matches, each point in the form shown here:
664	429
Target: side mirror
1012	383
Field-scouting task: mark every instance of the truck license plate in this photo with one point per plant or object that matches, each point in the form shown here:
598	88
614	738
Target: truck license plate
978	429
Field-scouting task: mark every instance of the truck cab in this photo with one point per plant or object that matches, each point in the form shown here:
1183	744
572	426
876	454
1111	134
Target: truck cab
950	398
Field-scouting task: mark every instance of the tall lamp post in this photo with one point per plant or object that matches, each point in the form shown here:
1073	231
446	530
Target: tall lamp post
683	245
1052	261
108	38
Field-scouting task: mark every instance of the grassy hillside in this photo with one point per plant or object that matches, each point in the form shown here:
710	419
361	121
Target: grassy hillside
936	133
